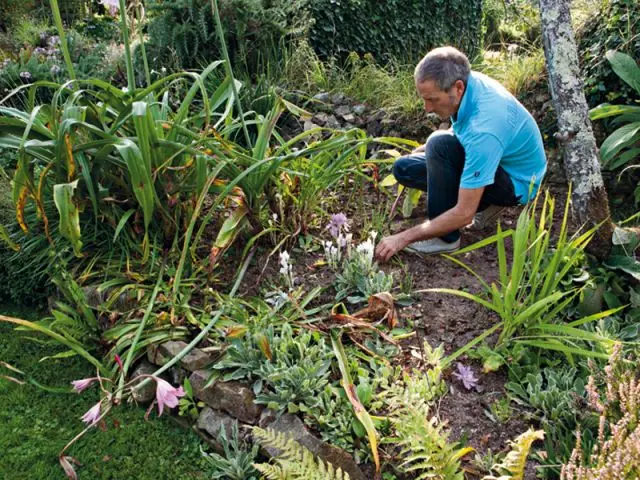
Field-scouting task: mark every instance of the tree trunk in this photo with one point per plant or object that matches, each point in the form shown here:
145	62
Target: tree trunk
589	202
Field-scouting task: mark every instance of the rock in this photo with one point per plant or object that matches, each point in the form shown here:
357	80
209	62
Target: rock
332	122
211	421
374	128
377	116
194	360
320	118
146	393
338	99
322	97
349	118
267	417
309	125
93	296
541	98
343	110
235	398
359	109
293	427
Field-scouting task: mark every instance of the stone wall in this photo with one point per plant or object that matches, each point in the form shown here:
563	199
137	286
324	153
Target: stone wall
230	402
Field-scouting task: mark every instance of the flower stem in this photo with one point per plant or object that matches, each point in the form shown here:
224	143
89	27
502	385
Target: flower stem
136	339
63	38
227	66
131	79
205	330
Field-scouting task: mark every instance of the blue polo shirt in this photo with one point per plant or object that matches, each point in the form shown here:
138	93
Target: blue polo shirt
496	130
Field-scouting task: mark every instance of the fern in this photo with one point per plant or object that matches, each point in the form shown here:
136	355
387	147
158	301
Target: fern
294	462
513	465
425	446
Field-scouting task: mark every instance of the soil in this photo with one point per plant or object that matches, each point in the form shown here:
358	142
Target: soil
436	318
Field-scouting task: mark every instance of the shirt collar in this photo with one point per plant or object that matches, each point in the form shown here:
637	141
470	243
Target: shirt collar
466	104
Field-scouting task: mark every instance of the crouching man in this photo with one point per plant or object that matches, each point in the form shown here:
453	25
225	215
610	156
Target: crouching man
491	158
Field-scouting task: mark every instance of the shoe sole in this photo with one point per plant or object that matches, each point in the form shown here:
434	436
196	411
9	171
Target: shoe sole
488	221
427	254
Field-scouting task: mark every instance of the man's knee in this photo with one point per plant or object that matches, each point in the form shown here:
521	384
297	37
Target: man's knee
411	171
442	144
401	168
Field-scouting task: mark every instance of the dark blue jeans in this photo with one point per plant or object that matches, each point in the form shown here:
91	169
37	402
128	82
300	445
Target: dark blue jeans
438	170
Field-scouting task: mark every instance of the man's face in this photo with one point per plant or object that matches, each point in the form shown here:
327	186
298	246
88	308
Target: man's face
444	103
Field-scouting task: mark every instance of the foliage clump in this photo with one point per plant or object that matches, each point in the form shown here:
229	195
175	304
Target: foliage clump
615	396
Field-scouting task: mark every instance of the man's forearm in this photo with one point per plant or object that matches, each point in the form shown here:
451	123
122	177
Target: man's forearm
446	223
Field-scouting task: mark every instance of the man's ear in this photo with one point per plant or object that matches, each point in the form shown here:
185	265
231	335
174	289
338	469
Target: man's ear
459	88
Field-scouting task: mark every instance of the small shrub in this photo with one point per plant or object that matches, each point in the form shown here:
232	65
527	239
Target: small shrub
615	396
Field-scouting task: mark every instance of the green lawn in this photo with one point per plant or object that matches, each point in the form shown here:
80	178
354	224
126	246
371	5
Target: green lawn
35	424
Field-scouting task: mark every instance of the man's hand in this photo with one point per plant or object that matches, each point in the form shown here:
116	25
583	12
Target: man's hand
389	246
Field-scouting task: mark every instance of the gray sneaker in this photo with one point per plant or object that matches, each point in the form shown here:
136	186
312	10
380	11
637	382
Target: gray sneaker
486	217
433	246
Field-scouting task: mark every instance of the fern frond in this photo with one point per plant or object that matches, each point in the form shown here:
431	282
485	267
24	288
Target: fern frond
294	462
424	445
516	460
271	472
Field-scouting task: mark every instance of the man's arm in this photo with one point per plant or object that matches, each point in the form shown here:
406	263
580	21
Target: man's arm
457	217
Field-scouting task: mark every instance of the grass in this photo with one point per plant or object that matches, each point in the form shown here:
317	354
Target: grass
36	424
389	86
519	73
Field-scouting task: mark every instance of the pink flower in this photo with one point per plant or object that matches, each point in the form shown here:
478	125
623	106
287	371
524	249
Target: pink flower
110	3
80	385
119	362
166	394
92	415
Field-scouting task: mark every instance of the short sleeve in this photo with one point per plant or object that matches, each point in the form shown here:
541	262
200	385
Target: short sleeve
482	157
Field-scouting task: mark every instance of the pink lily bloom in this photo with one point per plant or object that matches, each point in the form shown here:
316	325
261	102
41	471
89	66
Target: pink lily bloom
92	415
80	385
166	394
119	362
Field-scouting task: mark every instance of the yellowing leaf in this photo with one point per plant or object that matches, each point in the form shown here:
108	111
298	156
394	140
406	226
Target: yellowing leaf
71	164
388	181
69	217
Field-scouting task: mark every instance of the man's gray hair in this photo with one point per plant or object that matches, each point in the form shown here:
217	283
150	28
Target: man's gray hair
444	66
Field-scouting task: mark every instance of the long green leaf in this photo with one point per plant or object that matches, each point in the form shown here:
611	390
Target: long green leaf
350	389
59	338
69	217
626	68
621	138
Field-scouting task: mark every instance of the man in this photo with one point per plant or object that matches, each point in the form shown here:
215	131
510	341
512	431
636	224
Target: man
491	158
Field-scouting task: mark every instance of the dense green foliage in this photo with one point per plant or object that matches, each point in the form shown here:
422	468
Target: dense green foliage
182	32
614	29
404	29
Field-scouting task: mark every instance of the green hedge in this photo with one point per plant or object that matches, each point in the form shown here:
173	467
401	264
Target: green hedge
182	31
405	29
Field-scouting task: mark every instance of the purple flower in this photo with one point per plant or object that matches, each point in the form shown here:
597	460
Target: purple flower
338	223
55	70
26	76
53	41
110	3
39	51
466	376
92	415
80	385
166	394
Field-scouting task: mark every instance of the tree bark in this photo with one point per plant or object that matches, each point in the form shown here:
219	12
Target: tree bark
589	201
